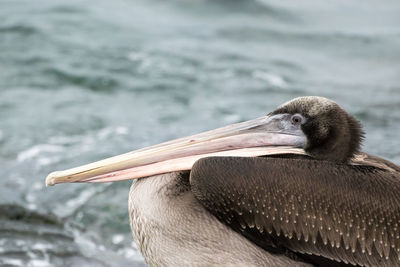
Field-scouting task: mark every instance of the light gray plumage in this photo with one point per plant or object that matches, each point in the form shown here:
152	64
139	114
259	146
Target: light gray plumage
172	228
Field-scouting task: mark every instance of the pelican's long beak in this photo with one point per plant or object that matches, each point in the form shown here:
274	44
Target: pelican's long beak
262	136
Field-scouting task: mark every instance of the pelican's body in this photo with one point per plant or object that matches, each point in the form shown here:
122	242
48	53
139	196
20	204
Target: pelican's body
288	189
172	228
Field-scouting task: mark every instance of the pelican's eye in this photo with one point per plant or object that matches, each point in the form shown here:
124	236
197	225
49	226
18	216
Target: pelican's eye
297	119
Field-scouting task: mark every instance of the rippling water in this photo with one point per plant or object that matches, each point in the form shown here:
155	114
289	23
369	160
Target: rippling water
84	80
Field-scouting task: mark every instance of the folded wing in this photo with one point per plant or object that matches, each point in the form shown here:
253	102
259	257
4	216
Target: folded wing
345	213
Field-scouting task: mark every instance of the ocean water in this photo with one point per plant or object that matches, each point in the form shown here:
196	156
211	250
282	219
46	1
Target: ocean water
85	80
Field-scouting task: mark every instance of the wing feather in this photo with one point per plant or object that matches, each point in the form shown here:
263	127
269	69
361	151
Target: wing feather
347	213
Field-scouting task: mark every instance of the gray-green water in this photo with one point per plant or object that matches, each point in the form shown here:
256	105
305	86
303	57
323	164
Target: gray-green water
84	80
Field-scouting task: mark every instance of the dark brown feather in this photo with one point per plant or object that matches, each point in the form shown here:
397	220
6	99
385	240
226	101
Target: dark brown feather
346	213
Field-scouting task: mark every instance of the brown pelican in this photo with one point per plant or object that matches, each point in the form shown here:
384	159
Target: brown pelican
287	189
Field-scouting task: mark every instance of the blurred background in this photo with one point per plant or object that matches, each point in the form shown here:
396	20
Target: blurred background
85	80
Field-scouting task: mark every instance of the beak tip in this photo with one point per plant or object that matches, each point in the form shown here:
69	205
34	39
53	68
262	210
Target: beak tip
50	179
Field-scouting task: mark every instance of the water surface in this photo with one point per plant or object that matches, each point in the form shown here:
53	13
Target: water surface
84	80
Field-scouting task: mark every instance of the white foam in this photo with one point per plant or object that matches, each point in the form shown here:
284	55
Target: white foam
65	209
37	150
64	140
136	56
130	252
121	130
20	243
38	263
117	239
41	246
109	131
13	262
271	78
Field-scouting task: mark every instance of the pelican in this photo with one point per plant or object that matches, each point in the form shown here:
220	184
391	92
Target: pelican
291	188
